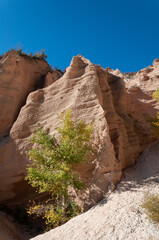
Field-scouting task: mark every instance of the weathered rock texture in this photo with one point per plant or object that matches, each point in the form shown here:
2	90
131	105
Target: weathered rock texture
142	107
52	77
18	77
120	215
94	95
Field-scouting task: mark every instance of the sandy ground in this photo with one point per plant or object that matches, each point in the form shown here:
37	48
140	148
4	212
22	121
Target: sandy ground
119	216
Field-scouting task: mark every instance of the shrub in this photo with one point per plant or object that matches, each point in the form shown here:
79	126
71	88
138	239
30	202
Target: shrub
52	168
151	205
40	55
155	121
156	94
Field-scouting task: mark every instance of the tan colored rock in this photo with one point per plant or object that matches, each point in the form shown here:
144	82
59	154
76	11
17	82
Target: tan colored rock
156	62
19	76
94	95
52	77
116	72
141	106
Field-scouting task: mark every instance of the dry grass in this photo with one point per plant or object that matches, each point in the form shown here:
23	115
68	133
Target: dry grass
151	206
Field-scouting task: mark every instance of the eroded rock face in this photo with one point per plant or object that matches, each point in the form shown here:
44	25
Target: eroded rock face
95	95
18	77
52	77
141	105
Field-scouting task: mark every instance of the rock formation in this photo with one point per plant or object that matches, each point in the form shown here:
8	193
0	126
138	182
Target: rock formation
142	107
95	95
18	77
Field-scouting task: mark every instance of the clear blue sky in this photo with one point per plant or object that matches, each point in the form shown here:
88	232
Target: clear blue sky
120	34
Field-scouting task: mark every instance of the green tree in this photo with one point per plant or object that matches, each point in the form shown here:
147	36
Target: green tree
52	167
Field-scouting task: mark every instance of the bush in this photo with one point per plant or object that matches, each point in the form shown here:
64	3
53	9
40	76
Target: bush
40	55
155	121
51	168
151	205
156	94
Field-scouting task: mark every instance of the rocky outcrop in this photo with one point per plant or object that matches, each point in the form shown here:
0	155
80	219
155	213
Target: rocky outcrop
19	76
95	95
52	77
141	106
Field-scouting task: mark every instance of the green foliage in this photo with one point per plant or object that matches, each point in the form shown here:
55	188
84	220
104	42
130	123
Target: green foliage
38	55
54	214
155	125
51	168
155	121
151	205
156	94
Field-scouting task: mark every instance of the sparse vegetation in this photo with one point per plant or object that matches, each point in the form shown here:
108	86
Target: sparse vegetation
129	75
56	69
156	94
38	55
151	205
52	168
151	201
155	121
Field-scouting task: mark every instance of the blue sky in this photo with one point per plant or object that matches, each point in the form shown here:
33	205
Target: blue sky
118	34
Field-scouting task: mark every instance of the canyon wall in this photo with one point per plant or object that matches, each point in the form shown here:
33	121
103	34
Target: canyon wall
118	110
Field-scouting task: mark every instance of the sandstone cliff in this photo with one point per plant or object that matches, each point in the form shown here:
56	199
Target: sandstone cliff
96	95
19	75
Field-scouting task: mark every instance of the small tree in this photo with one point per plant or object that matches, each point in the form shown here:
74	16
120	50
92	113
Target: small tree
51	168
